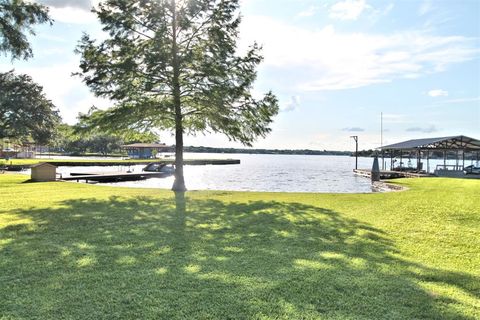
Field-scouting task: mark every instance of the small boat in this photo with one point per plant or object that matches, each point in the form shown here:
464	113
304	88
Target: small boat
159	167
14	168
471	170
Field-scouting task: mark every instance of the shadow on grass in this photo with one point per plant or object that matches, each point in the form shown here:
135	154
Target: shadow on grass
186	258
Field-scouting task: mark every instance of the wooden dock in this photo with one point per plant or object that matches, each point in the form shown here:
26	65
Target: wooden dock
108	163
113	177
125	163
385	175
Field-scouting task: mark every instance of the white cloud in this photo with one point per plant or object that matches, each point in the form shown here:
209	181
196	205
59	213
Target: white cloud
388	9
395	118
293	104
310	11
82	4
72	11
376	14
425	7
353	129
437	93
462	100
324	59
429	129
348	9
72	15
327	141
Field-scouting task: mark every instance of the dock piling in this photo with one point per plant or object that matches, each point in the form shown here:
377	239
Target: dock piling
375	170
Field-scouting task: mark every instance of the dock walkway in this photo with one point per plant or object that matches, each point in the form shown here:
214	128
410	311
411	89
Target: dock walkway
390	174
125	163
114	177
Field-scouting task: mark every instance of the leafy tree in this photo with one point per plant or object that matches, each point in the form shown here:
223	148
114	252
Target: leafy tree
104	144
61	137
76	140
174	65
16	20
132	136
25	112
128	135
77	146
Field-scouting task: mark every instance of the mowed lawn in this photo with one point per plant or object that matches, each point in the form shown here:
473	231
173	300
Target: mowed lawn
76	251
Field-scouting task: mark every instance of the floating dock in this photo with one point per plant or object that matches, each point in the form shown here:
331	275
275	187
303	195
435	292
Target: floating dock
127	163
113	177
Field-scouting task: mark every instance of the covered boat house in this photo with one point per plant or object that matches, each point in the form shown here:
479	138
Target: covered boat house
145	150
450	156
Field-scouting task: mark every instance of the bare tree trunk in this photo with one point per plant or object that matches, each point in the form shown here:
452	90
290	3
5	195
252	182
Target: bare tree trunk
179	183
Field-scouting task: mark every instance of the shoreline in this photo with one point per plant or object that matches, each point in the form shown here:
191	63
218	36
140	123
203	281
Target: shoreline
384	187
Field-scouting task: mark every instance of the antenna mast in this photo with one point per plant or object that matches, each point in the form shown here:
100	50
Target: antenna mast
381	139
381	129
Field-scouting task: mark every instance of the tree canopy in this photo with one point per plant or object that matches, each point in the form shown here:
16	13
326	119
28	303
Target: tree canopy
76	140
25	112
174	65
17	18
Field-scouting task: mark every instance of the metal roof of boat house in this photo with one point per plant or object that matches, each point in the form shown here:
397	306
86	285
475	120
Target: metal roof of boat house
443	143
145	145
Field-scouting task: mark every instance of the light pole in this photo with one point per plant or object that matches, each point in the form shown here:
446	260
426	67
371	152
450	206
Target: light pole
356	151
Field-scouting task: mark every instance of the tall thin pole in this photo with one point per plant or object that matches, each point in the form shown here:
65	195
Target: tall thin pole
356	151
381	139
381	129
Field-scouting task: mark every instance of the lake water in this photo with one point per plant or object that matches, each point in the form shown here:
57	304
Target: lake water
276	173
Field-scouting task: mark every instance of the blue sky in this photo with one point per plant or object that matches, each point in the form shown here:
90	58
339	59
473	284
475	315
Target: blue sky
335	66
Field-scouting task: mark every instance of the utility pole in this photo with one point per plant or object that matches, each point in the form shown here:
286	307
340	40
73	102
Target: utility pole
381	139
381	129
356	151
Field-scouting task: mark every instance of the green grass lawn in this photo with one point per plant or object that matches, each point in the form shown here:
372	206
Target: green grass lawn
76	251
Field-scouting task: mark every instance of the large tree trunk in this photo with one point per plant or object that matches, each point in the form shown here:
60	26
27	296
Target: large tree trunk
179	183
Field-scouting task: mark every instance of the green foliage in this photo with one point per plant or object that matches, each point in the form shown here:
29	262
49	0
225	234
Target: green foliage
25	112
16	20
128	135
62	136
77	140
174	65
78	251
68	141
132	136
